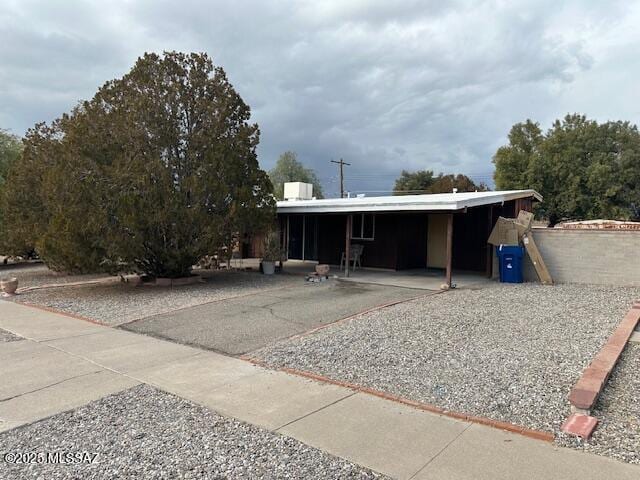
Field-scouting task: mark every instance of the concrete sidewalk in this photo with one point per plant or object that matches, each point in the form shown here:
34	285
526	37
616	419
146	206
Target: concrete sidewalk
64	363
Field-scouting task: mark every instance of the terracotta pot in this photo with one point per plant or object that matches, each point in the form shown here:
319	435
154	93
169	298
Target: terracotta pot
322	269
9	285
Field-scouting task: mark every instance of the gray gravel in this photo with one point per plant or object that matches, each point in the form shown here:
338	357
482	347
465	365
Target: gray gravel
507	352
146	433
618	410
119	303
8	336
36	274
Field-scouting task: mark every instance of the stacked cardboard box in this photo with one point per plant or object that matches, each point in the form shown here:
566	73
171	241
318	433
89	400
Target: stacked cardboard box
516	231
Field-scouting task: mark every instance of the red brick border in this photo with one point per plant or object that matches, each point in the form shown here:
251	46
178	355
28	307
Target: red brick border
584	394
580	425
427	407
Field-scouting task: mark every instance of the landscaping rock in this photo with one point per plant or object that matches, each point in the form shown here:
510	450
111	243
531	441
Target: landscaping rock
146	433
508	352
117	303
618	413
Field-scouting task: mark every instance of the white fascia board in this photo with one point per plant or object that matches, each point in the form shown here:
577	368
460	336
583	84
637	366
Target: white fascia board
437	202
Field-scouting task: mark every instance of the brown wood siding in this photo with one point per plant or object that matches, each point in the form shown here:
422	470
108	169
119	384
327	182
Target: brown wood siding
412	241
470	239
400	241
382	251
331	232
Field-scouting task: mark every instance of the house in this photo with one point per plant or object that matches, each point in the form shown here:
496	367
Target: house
443	231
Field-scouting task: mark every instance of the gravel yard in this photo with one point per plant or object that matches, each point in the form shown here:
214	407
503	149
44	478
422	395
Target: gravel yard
618	410
118	303
507	352
146	433
36	274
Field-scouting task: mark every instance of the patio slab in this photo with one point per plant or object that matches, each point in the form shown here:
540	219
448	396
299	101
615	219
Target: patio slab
420	279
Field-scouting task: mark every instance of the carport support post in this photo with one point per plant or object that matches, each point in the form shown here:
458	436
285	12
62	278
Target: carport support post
449	248
347	246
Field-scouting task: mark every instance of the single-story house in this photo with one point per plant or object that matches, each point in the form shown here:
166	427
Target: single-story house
446	230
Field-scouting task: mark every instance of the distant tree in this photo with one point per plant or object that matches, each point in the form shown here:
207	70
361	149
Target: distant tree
515	162
446	184
583	169
413	182
156	171
289	169
424	181
10	150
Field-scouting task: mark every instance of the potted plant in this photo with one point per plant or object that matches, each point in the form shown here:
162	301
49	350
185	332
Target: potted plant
9	286
272	254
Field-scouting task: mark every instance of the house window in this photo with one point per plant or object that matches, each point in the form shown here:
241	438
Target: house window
363	226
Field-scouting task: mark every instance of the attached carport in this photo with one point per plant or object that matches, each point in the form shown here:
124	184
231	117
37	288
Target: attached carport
437	231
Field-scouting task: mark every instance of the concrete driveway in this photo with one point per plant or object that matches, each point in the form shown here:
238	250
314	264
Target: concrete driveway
240	325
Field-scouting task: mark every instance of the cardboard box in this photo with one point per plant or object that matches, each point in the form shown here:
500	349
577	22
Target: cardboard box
525	218
505	232
523	222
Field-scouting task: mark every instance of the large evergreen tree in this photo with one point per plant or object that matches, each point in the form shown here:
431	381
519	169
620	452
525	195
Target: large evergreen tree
10	150
157	170
584	170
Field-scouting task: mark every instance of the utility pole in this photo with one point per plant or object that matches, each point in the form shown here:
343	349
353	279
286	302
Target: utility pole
342	163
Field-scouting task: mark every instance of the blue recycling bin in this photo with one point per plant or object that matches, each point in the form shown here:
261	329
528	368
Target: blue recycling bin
510	259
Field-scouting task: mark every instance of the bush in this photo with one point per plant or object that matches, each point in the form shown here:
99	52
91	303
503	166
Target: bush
153	173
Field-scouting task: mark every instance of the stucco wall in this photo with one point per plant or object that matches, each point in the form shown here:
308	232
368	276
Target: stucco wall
588	256
437	242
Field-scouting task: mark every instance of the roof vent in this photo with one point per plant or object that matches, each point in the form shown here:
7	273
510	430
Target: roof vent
298	191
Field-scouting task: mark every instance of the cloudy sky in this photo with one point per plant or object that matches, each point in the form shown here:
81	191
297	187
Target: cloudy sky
432	84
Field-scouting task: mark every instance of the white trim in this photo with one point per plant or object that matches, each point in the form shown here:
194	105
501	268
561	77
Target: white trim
430	202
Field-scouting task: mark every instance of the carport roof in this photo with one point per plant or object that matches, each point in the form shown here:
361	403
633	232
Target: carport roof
397	203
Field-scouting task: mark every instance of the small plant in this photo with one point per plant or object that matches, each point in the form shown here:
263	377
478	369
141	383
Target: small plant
272	249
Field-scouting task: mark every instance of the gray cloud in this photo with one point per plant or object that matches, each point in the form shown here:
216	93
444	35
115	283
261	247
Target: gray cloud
384	85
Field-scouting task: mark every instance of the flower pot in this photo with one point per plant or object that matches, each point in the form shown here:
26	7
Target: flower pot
9	285
268	268
322	269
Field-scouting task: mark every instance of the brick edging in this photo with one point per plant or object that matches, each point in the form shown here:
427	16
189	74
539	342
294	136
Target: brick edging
585	392
427	407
